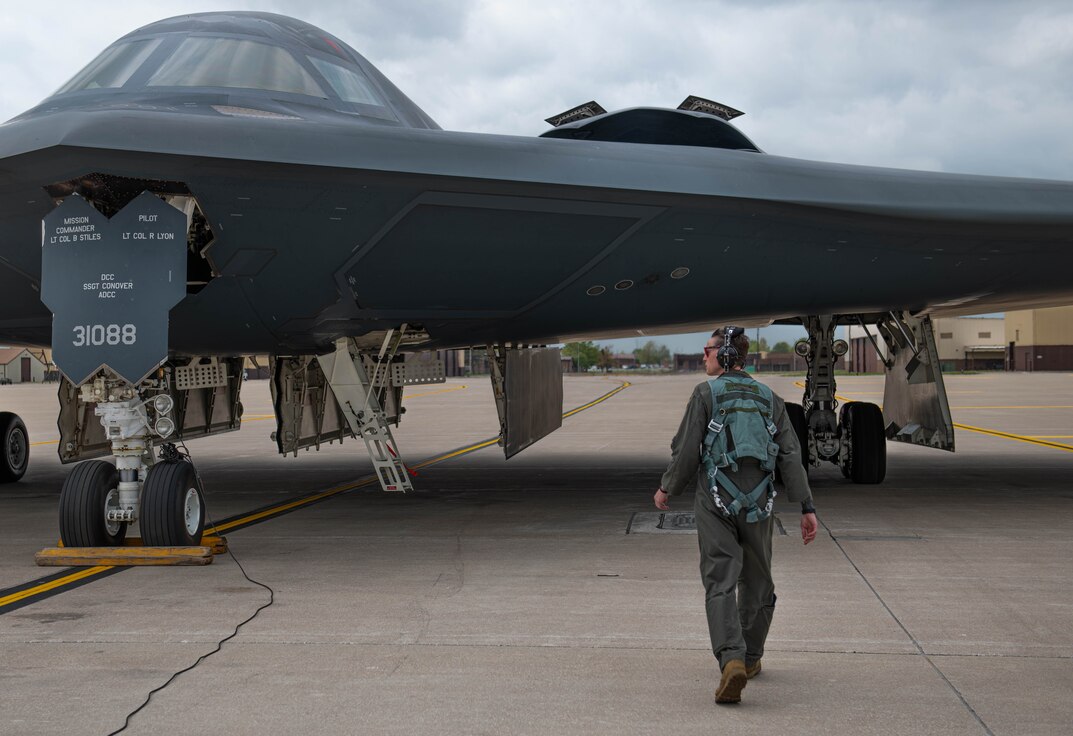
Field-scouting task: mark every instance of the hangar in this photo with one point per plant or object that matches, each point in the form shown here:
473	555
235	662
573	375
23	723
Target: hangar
1040	339
20	365
964	344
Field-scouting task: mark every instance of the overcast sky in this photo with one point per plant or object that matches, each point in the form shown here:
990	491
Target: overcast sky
973	87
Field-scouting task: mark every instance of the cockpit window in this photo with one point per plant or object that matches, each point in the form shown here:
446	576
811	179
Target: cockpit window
347	83
226	62
113	67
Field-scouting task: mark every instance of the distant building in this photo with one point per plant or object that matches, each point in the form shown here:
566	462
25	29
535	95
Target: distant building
971	343
458	362
783	362
620	361
19	365
758	362
688	362
257	367
1040	339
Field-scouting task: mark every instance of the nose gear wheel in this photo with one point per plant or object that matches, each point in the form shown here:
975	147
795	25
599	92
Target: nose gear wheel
84	502
173	511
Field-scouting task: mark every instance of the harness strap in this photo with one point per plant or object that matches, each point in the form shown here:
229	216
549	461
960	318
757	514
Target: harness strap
742	500
734	394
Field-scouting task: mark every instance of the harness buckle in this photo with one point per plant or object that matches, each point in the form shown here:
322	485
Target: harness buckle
714	426
715	492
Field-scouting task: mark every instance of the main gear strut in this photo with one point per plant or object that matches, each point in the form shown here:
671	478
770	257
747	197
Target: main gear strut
854	438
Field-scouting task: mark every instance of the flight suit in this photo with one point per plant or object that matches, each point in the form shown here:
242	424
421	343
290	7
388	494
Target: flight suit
735	555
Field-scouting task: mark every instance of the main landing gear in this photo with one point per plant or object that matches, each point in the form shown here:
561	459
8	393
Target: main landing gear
14	447
915	407
855	439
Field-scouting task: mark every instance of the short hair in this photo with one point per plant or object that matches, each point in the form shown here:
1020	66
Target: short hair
739	343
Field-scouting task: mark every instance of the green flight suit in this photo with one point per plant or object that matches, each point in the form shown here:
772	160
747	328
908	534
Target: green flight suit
735	555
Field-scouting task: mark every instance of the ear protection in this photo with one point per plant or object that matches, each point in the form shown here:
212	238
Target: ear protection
728	355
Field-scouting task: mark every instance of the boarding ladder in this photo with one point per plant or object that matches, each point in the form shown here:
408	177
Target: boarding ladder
357	382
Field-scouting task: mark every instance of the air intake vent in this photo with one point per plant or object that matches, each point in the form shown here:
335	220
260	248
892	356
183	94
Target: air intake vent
588	110
699	104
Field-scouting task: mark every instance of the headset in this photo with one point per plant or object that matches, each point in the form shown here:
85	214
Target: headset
728	354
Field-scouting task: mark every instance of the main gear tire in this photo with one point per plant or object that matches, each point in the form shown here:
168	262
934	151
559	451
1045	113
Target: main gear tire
14	447
796	413
173	509
865	431
89	492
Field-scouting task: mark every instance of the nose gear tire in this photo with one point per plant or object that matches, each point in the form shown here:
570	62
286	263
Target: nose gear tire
173	510
84	503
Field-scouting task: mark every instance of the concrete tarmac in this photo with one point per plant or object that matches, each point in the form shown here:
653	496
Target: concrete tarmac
507	597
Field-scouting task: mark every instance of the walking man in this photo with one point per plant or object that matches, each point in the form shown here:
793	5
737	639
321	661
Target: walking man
734	435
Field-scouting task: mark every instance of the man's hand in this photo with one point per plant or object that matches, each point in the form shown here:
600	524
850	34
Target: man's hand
661	498
809	525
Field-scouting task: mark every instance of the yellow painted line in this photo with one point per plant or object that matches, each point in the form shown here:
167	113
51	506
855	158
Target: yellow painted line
1050	436
1017	437
433	393
625	385
58	582
880	393
292	505
456	453
1025	406
45	442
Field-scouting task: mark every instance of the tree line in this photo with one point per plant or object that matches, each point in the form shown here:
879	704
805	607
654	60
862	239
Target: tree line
588	354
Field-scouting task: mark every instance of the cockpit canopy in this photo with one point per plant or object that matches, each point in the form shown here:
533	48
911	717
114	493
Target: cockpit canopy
252	54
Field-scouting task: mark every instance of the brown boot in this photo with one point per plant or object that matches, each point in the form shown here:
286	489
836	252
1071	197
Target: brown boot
752	670
732	682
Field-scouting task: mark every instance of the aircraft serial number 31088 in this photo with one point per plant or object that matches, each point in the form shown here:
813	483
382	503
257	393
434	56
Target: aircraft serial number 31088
226	184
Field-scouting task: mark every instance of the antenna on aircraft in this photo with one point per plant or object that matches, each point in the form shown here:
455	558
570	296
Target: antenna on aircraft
588	110
699	104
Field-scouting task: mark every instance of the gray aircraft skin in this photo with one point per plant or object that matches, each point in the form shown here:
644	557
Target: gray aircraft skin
337	208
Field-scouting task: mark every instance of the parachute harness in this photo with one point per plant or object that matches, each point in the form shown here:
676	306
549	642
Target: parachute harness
746	406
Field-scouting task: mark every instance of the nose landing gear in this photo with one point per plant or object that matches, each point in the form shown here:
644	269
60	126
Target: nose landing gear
99	500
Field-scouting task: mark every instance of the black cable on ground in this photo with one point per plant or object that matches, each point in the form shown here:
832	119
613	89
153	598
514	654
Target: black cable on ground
185	455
